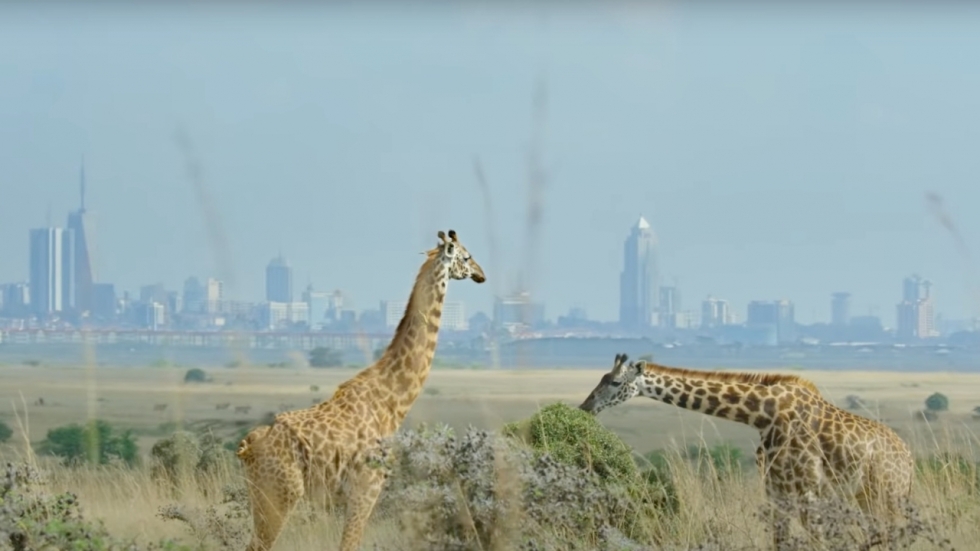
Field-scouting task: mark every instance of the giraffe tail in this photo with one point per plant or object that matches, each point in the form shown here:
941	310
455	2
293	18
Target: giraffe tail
246	449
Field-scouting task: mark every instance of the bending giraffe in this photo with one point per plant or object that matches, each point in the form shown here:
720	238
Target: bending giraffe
331	448
810	448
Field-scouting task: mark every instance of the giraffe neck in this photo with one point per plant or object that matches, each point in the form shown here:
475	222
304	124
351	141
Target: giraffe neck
750	403
407	360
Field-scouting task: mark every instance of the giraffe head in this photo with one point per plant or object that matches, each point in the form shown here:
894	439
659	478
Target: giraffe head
615	387
456	259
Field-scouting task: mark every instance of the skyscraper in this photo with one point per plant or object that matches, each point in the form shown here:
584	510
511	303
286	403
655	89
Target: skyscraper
52	275
914	315
639	281
840	309
80	224
715	312
279	280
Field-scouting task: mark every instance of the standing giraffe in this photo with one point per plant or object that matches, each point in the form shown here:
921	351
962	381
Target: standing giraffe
810	448
333	447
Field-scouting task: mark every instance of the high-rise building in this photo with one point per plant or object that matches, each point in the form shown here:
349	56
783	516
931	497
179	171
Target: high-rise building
16	299
104	302
715	312
318	304
194	299
840	309
80	224
52	278
669	306
279	280
517	310
778	314
915	318
639	282
214	293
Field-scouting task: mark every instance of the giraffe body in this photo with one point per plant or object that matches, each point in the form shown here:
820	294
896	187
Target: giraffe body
335	449
810	449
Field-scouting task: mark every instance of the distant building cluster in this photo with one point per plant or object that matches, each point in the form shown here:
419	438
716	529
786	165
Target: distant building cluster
62	292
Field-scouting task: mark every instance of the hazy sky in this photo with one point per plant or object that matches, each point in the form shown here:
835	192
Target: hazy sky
777	155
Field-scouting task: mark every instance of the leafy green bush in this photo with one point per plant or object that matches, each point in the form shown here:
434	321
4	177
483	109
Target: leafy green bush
93	442
195	375
937	402
5	432
575	437
478	490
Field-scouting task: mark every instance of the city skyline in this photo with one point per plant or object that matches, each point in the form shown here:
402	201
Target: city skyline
346	155
644	302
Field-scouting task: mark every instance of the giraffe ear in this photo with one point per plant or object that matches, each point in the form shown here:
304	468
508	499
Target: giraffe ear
638	366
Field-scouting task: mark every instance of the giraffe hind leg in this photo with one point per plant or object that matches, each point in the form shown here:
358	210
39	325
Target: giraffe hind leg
364	488
275	485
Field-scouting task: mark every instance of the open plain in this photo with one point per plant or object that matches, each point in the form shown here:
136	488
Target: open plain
153	401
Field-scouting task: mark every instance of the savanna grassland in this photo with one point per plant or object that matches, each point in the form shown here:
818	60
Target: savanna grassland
713	510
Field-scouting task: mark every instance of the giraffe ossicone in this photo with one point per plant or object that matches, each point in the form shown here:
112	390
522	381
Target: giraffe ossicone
337	447
810	449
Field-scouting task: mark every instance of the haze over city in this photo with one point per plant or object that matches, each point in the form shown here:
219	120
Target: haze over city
785	157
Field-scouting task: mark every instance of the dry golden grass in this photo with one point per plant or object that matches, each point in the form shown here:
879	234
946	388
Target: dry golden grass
128	501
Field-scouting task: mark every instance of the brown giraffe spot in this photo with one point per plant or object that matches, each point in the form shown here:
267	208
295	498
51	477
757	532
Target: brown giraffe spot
751	402
700	392
741	416
723	412
682	400
731	397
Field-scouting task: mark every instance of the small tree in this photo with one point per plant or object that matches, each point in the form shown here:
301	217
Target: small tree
94	442
937	402
325	357
196	375
5	432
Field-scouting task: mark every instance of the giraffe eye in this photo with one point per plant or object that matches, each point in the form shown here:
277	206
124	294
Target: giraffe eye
615	383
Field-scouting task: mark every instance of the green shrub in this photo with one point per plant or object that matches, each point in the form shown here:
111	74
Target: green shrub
937	402
5	432
195	375
575	437
94	442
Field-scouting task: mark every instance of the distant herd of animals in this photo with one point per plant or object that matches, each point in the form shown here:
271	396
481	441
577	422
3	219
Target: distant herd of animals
809	449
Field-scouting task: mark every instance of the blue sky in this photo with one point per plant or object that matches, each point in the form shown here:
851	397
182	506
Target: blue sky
778	154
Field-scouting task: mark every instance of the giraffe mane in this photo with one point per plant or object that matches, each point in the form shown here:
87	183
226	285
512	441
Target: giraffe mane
764	379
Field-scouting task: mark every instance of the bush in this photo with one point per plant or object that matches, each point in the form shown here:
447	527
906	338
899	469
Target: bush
184	456
937	402
94	442
482	491
5	432
326	357
195	375
31	519
575	437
